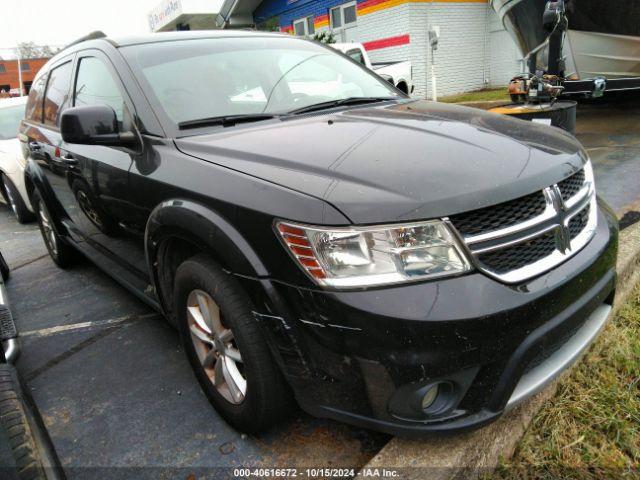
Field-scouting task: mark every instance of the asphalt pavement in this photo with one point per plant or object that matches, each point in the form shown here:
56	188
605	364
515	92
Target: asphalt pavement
115	389
117	393
610	131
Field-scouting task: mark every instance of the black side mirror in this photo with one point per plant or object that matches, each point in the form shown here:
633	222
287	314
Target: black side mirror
94	125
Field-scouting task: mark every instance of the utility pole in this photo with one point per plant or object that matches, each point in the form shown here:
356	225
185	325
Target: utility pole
19	71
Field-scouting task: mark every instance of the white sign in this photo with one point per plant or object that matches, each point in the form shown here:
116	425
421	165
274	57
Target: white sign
165	12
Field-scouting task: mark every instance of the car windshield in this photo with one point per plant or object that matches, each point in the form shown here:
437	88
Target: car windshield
208	78
10	118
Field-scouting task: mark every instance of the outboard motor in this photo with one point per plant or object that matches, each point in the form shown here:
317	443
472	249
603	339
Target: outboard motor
554	20
539	87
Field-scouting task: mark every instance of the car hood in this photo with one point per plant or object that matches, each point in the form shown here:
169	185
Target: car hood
405	161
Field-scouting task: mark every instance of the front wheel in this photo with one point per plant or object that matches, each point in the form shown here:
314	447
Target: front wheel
226	348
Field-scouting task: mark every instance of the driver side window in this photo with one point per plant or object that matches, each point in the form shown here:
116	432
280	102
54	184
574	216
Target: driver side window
96	86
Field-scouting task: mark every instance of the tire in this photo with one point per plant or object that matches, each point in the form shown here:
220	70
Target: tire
30	446
62	254
15	201
5	271
267	398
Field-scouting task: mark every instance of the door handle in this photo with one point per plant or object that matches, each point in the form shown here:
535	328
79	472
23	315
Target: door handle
35	146
68	160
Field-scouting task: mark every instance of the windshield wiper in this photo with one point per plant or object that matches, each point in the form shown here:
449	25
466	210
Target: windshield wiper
341	102
225	120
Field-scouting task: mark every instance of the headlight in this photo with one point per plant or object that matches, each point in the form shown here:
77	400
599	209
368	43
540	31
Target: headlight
364	256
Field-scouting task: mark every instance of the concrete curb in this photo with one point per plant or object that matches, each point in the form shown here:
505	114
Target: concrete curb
468	455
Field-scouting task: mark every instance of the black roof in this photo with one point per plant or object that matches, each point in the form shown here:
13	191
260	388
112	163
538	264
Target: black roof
94	38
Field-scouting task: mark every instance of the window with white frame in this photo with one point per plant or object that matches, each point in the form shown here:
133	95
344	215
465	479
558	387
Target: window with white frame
343	16
304	27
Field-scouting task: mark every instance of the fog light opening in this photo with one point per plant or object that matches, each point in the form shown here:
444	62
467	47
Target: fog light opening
430	396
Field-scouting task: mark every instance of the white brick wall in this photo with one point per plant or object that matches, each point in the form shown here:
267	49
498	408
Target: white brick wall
474	50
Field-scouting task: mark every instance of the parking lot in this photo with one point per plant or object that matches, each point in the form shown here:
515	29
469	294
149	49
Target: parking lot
115	390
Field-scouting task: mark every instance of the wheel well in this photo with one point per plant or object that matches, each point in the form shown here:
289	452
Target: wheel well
2	192
402	85
170	255
29	186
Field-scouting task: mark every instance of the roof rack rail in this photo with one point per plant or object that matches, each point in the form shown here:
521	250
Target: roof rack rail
92	36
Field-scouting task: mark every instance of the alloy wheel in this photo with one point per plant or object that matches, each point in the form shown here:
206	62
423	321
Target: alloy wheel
215	346
48	233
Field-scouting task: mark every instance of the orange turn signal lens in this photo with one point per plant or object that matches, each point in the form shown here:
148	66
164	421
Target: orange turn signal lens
296	240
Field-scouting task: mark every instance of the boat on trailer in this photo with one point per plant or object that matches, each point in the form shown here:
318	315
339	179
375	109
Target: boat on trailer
601	42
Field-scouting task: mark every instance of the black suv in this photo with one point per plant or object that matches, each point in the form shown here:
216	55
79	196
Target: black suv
314	233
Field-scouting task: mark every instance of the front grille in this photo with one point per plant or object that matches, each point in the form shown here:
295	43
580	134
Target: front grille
519	256
572	185
500	216
577	223
506	238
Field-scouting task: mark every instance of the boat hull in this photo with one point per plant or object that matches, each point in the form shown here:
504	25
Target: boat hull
603	38
606	55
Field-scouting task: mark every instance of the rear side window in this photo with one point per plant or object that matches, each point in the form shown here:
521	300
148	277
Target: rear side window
57	97
356	54
34	104
96	86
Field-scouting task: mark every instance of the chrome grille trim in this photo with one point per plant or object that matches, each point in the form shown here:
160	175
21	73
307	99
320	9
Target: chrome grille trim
556	217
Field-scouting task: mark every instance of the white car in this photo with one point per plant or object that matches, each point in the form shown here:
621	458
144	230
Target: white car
12	162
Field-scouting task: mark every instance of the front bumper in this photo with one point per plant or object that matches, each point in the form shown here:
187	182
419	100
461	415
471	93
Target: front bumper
362	356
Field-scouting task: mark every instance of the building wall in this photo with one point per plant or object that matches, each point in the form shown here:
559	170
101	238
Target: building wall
11	76
474	50
461	57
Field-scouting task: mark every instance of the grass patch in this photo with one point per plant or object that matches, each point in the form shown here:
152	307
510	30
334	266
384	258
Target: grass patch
487	95
591	428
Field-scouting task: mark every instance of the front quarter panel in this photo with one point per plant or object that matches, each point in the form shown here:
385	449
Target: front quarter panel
220	210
